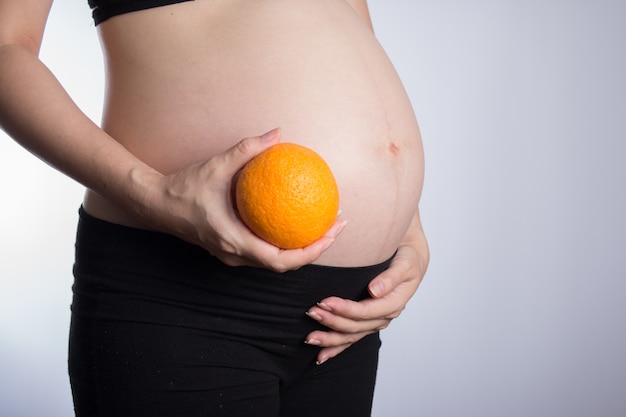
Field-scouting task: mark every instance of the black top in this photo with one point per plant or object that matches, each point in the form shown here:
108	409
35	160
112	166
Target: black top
104	9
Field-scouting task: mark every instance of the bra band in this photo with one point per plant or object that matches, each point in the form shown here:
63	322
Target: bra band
105	9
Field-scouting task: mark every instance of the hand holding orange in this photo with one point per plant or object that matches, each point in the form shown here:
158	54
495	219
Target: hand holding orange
288	196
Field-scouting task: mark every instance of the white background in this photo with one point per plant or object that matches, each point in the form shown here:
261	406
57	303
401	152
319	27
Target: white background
522	107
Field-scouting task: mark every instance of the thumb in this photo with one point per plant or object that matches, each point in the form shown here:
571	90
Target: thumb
379	286
246	149
388	280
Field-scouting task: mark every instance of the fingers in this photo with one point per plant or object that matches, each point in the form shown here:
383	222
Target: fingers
279	260
349	321
333	343
332	309
258	253
354	317
400	282
295	258
253	251
200	209
402	271
330	352
344	332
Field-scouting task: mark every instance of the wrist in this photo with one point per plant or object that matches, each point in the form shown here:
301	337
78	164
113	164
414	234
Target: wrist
143	195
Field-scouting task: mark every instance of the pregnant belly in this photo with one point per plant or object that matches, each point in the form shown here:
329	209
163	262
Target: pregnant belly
315	70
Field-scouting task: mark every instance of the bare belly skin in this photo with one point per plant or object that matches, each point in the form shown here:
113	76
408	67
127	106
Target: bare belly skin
205	74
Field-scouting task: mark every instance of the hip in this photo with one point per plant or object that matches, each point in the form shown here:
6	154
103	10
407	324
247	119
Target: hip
134	275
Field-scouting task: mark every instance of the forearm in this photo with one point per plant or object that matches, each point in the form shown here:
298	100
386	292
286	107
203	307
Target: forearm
37	112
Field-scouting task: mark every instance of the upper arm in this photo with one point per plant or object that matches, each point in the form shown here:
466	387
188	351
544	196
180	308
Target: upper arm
360	6
23	22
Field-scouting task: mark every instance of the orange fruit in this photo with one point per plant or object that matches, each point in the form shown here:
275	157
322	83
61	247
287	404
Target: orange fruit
288	196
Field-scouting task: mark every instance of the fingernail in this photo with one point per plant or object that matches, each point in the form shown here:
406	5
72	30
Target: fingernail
318	363
336	229
342	226
313	342
377	289
328	243
324	306
270	135
314	315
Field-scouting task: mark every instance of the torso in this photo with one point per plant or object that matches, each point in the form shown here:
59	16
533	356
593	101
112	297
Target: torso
187	81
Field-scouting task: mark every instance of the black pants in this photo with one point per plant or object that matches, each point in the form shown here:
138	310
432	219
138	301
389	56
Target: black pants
161	328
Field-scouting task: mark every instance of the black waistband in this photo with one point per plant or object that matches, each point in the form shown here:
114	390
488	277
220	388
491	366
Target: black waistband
139	255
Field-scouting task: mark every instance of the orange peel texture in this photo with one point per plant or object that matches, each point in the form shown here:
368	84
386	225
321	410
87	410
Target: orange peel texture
288	196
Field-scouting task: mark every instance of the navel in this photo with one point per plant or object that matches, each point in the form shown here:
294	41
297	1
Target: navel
394	149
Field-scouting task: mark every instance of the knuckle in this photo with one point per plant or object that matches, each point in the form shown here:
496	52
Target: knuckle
278	266
361	312
395	314
344	340
243	146
227	248
384	325
353	329
228	261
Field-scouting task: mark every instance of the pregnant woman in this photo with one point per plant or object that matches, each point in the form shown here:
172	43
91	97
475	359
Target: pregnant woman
179	310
